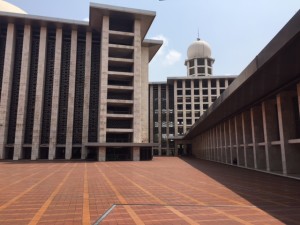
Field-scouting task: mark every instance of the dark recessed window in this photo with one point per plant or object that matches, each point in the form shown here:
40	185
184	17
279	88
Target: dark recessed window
213	83
205	92
204	83
213	91
197	106
191	63
200	62
196	92
208	62
179	84
192	71
201	70
187	92
179	92
188	107
188	84
196	84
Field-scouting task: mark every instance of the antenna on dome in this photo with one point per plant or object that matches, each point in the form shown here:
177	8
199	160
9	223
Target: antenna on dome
198	38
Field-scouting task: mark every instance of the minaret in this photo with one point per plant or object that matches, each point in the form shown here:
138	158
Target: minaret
199	62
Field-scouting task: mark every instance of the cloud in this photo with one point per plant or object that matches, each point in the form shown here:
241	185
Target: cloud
161	51
172	57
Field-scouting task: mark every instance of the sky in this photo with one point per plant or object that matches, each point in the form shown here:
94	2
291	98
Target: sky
236	30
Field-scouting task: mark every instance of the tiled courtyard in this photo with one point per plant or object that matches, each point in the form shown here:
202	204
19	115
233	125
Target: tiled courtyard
162	191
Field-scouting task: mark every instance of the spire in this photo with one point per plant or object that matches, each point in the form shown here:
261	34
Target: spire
198	38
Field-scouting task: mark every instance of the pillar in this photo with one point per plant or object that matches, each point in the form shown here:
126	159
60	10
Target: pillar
86	100
23	89
39	95
137	114
6	86
103	81
136	153
102	154
71	95
55	94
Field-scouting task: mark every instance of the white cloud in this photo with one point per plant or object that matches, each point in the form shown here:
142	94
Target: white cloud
161	51
172	57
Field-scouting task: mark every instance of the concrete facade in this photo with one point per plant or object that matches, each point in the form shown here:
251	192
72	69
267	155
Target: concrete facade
255	123
177	104
74	90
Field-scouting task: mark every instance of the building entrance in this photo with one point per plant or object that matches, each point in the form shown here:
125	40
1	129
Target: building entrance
119	154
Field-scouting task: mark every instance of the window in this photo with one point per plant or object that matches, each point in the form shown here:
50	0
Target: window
209	62
213	83
189	121
197	106
196	99
179	107
188	84
188	107
192	71
213	91
180	114
201	70
196	92
188	99
222	83
179	99
196	84
204	83
205	106
180	121
188	92
200	62
213	99
191	63
179	84
179	92
188	114
197	114
209	70
205	92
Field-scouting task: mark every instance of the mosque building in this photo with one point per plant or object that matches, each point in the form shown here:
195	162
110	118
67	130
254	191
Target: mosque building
74	89
177	104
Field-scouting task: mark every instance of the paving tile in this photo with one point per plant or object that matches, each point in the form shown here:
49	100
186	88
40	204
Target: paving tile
167	190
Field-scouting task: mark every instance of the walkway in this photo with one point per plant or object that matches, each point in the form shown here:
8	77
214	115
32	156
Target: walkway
163	191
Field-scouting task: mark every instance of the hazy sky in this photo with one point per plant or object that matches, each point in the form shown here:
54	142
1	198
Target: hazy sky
237	30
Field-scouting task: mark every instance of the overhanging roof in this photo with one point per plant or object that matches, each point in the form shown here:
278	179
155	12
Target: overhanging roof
153	45
276	66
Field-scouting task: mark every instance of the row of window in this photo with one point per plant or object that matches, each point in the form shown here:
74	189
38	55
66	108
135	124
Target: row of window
213	83
197	92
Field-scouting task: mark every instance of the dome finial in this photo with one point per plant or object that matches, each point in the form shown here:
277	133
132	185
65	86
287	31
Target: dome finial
198	38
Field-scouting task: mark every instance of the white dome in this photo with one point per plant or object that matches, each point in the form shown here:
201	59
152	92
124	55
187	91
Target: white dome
7	7
199	49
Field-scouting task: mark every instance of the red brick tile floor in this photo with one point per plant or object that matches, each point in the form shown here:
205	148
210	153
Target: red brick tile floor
166	191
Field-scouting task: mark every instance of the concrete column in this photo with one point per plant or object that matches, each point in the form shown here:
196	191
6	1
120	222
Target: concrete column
201	97
23	89
192	100
136	153
253	136
39	95
6	86
175	112
151	114
86	99
71	95
245	144
137	126
102	154
209	91
167	119
103	81
236	140
230	142
55	94
283	132
145	94
159	119
184	106
270	130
